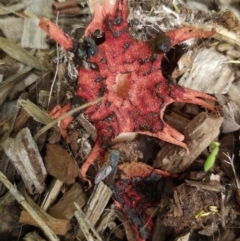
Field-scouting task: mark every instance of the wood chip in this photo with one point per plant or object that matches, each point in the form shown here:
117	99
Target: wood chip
130	234
21	120
219	73
97	202
31	211
231	115
33	36
96	205
12	8
58	226
174	159
85	226
213	186
234	91
23	153
177	210
33	237
10	82
9	111
52	194
87	126
41	8
225	35
8	169
108	220
184	237
60	164
65	207
21	86
12	28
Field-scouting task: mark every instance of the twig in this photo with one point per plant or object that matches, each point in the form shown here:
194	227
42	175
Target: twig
55	75
17	195
230	162
50	125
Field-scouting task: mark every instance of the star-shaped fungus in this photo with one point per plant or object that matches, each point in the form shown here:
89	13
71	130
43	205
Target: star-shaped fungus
127	73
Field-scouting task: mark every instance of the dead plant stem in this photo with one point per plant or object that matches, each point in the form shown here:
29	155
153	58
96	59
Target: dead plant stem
17	195
50	125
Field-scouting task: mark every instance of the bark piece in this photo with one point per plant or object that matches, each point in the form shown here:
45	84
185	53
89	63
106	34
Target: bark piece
21	120
86	226
97	202
8	213
39	218
9	66
95	206
87	126
234	91
52	194
58	226
109	221
24	154
41	8
230	124
9	83
33	36
131	236
8	114
65	208
199	133
12	8
12	28
68	11
219	73
60	164
177	121
33	237
212	186
231	114
8	169
21	86
31	211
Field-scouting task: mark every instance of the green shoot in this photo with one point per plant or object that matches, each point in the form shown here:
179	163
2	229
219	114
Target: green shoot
212	156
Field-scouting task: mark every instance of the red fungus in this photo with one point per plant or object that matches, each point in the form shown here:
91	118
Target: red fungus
128	74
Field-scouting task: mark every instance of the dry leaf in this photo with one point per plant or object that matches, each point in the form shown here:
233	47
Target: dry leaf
34	111
60	164
19	53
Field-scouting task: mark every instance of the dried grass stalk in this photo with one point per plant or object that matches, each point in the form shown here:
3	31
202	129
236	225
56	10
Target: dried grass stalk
17	195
